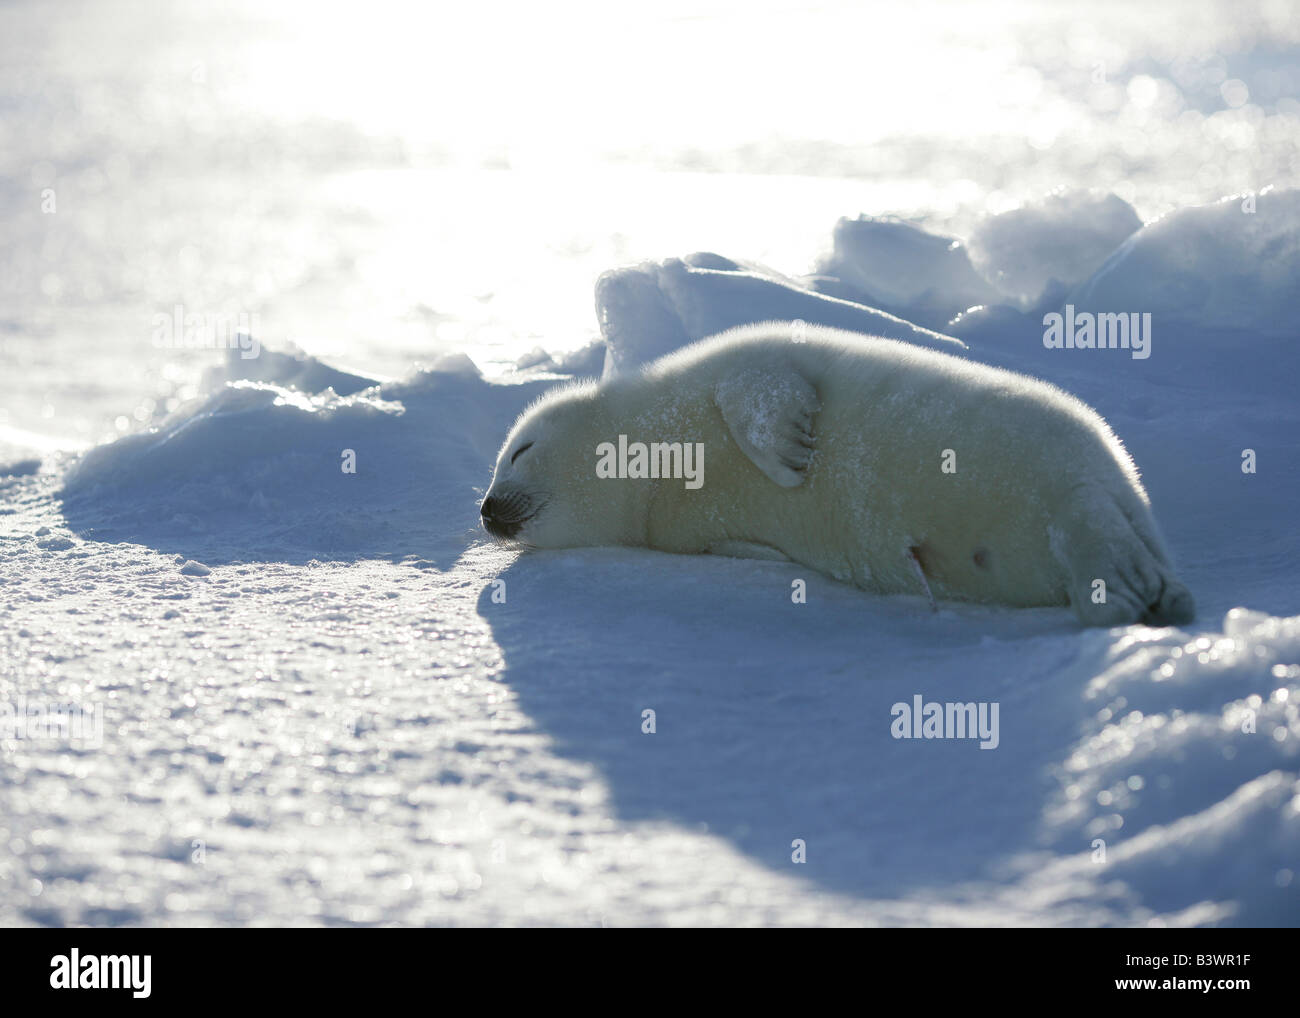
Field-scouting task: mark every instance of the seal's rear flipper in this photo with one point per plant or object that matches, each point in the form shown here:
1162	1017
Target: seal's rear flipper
1174	607
770	414
1117	573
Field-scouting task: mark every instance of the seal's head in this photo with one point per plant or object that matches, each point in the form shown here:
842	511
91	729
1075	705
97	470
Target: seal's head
544	491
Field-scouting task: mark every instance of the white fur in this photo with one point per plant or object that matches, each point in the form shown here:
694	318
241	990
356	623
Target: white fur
1044	500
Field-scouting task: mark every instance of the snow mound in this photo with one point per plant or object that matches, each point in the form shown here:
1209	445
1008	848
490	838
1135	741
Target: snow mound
1233	265
269	467
1190	774
291	368
891	264
651	309
1050	244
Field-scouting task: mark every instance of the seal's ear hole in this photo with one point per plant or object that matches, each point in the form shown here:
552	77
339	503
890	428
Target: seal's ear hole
520	451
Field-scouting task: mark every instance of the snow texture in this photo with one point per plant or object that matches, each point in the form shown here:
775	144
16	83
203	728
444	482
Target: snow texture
257	689
1233	265
1050	244
314	710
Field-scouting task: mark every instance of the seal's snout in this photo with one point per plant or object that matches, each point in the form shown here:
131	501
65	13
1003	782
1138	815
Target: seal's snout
495	521
504	515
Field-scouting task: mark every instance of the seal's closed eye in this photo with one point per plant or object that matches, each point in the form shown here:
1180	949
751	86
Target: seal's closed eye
523	448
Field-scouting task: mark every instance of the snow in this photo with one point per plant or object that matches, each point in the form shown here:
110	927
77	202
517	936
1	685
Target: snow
1232	264
311	680
651	309
1055	242
327	698
892	264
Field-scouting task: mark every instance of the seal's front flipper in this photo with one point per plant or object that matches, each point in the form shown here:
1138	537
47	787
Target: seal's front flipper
770	414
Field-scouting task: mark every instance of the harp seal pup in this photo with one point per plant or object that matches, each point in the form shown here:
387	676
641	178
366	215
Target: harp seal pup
889	466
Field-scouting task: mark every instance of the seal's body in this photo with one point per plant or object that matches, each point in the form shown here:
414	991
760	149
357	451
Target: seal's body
892	467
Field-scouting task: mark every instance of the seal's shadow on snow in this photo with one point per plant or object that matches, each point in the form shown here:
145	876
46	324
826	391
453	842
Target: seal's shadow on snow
772	719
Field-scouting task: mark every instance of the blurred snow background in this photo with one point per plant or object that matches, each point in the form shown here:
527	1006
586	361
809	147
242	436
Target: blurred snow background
327	719
383	184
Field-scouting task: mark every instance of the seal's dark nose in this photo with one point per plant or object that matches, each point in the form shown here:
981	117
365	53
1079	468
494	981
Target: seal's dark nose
492	521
